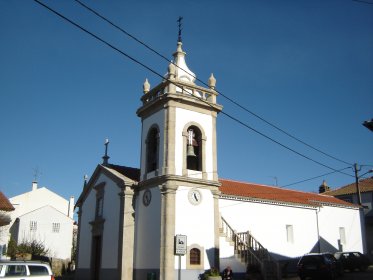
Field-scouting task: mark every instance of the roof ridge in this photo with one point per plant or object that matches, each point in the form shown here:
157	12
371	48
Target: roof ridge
274	187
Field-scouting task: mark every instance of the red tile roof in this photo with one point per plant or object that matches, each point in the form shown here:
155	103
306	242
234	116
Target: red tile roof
365	185
5	204
276	194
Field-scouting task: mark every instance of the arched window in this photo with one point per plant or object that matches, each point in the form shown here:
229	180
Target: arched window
194	149
152	147
195	256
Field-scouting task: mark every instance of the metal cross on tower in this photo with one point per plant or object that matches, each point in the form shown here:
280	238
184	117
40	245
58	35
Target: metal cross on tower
179	23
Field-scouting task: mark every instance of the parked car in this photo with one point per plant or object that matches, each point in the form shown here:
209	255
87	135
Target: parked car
319	266
25	270
353	260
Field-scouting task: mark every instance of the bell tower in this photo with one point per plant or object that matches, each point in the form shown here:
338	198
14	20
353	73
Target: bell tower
178	188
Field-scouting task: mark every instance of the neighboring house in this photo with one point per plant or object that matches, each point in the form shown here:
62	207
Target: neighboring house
349	193
5	208
131	221
43	216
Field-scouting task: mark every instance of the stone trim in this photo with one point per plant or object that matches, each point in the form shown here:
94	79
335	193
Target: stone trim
195	266
179	180
215	176
167	258
181	101
126	233
80	213
97	226
169	142
203	142
156	171
216	194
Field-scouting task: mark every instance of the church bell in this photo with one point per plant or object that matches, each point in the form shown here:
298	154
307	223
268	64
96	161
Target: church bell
190	151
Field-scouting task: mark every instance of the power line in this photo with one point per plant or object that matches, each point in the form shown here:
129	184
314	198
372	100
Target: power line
223	95
310	179
156	73
362	1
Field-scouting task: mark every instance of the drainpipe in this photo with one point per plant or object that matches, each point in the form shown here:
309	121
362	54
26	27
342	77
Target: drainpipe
318	231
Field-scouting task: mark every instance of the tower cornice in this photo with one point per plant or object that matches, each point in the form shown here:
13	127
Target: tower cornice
184	180
159	96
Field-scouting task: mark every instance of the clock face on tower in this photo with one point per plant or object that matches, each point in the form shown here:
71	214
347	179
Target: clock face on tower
147	197
194	196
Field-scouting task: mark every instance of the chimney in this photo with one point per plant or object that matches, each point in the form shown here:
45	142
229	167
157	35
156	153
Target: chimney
70	212
324	187
34	185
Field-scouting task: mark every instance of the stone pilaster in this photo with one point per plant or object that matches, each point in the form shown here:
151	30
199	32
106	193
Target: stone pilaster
167	265
126	233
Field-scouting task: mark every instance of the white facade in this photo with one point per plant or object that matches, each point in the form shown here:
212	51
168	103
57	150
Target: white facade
268	223
43	216
178	192
111	226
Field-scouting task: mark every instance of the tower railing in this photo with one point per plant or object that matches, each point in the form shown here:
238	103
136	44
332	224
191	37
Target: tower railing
182	88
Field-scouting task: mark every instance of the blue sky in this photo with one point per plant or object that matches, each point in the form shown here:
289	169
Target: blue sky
305	66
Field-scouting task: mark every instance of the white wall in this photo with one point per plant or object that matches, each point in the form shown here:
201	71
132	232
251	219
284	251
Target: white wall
148	231
59	243
195	221
85	238
158	119
111	212
332	218
267	223
36	201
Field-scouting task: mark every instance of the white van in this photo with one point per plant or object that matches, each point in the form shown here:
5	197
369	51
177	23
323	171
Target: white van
24	270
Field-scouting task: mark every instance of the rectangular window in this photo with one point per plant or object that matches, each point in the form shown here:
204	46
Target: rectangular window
56	227
99	207
289	234
342	235
33	225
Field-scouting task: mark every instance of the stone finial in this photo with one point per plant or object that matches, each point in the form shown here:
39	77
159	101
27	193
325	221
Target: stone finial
146	86
212	81
171	70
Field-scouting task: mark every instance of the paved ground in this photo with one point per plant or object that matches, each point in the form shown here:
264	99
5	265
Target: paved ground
355	275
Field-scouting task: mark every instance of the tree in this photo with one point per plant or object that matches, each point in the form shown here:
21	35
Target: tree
34	248
12	248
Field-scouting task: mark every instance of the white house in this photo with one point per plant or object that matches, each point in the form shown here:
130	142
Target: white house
131	221
349	193
43	216
5	208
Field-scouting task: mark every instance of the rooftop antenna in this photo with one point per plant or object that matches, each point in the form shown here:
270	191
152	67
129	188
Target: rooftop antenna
106	157
180	28
37	173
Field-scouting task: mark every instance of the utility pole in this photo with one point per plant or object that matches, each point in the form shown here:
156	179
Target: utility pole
357	183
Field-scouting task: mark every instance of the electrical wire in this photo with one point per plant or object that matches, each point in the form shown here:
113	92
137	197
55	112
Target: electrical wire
362	1
223	95
316	177
156	73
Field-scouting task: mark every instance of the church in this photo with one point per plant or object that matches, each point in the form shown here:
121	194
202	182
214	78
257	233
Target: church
174	218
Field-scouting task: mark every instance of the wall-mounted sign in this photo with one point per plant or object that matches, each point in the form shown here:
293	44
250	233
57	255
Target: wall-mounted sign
180	244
